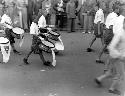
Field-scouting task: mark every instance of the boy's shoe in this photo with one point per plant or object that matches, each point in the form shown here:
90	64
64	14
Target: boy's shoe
25	61
115	91
47	63
98	82
89	50
99	61
16	52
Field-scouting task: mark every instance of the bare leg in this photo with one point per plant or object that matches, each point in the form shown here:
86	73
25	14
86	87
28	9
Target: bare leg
100	54
89	49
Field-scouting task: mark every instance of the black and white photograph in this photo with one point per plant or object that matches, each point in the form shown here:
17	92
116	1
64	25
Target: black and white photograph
62	47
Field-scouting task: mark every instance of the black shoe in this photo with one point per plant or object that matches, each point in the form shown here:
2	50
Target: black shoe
98	82
47	63
115	91
16	52
89	50
99	61
25	61
56	52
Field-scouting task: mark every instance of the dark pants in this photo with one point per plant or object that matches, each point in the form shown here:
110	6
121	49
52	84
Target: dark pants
71	24
48	18
35	48
59	21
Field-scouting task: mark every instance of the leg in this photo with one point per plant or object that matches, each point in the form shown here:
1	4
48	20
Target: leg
100	54
14	49
110	71
73	25
47	63
26	58
93	40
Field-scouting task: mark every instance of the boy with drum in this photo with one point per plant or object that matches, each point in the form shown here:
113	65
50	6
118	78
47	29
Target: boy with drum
36	41
98	25
7	23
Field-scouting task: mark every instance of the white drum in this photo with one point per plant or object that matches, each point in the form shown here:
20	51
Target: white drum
5	48
18	30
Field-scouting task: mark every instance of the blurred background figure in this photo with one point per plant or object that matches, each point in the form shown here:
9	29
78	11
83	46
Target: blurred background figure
71	14
22	7
47	6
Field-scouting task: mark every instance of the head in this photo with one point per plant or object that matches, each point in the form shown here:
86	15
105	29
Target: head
97	6
116	9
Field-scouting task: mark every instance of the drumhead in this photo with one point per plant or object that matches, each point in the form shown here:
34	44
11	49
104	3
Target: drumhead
54	33
18	30
3	40
47	43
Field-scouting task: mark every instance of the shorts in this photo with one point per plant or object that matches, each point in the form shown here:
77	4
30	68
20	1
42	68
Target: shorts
107	36
96	30
9	35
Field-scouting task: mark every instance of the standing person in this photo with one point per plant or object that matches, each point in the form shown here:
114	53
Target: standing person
30	11
79	11
38	5
22	6
58	7
46	5
116	63
108	33
98	26
11	9
71	14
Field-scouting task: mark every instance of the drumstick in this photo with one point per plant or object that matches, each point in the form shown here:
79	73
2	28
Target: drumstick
53	54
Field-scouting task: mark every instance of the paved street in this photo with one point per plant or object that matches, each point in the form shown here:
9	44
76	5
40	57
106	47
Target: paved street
73	76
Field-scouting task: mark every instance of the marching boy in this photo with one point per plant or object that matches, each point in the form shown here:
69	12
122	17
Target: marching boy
108	33
98	25
41	22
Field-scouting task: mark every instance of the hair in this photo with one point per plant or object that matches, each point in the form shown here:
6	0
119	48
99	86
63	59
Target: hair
97	4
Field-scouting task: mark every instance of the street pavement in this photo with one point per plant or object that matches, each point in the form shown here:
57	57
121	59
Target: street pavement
73	75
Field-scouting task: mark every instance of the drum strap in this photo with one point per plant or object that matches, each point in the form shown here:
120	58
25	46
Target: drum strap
21	40
5	49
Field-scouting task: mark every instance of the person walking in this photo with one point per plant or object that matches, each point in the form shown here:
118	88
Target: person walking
98	26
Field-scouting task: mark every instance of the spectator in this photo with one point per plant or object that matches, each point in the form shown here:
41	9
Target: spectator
58	7
30	11
22	6
46	5
71	14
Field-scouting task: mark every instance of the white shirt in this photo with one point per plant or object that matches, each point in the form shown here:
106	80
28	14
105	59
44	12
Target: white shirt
117	45
99	16
34	29
110	20
42	22
118	25
6	20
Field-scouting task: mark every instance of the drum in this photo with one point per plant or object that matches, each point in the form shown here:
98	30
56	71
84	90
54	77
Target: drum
18	30
46	45
53	35
5	48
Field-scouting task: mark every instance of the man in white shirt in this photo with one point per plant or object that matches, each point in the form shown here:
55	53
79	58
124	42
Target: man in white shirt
98	25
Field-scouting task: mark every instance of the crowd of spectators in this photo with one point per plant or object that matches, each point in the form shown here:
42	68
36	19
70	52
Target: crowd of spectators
61	13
